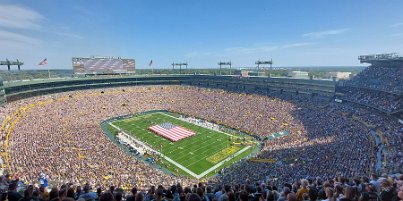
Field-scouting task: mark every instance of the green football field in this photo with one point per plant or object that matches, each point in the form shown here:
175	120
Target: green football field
199	155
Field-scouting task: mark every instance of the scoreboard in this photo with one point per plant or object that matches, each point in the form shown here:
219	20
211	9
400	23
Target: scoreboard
102	65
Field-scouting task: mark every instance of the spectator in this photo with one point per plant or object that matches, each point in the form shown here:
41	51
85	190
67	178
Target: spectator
304	189
13	195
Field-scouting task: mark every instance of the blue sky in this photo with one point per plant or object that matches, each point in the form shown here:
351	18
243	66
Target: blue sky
292	33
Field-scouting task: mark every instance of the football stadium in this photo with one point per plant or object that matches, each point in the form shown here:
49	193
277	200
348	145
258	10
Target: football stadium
108	131
139	131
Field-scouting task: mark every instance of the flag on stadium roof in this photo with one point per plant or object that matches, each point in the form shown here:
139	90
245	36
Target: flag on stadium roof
171	131
151	63
43	62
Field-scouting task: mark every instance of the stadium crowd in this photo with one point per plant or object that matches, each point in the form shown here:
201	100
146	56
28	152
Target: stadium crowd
311	189
378	99
387	79
63	138
60	135
65	141
378	87
390	132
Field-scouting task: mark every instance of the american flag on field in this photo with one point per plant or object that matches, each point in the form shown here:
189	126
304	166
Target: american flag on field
171	131
43	62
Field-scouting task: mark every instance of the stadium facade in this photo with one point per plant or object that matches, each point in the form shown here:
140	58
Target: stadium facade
230	83
260	85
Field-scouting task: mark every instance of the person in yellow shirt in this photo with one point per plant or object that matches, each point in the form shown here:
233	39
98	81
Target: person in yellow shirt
302	190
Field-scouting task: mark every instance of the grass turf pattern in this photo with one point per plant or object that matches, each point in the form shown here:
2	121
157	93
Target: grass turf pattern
195	153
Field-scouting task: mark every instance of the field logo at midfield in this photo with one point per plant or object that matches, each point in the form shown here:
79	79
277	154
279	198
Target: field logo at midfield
171	131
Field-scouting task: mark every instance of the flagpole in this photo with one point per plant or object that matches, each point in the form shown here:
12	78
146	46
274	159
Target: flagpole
152	67
45	62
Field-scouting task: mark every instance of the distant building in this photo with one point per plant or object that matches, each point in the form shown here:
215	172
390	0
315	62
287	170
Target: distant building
298	74
340	75
245	73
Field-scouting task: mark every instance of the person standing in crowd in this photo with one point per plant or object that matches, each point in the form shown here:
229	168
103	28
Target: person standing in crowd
304	189
13	195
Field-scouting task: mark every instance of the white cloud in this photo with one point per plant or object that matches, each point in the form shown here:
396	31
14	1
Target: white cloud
70	35
12	16
396	25
270	48
12	48
249	50
292	45
20	38
254	49
244	50
321	34
396	35
83	11
198	54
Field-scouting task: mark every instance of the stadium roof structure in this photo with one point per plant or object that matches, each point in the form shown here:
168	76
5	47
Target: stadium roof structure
9	63
385	60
